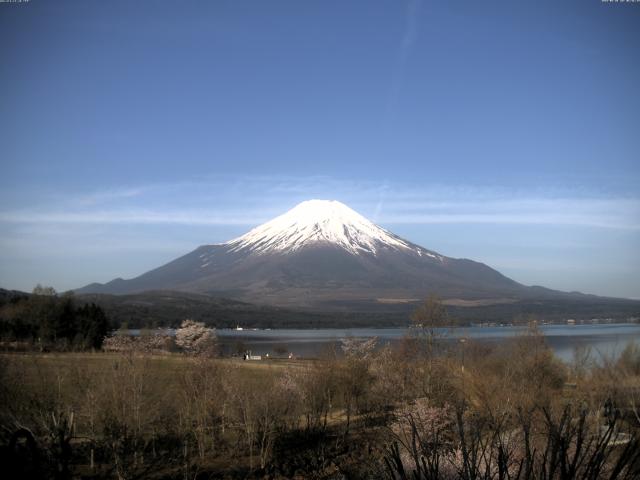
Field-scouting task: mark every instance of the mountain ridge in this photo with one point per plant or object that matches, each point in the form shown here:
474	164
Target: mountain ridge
322	254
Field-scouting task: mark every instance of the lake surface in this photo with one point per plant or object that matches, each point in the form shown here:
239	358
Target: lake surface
603	339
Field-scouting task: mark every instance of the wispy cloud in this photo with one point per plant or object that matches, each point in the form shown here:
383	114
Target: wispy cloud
248	200
99	197
125	216
411	27
409	37
380	204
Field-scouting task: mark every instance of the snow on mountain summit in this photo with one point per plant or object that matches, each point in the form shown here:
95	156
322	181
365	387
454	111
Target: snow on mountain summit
319	221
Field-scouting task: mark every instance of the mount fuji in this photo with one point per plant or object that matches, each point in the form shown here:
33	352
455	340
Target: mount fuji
321	253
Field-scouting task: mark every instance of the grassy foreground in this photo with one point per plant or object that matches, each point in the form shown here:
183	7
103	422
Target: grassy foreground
423	410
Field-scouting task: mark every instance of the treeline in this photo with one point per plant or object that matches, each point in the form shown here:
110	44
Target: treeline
47	320
168	309
427	410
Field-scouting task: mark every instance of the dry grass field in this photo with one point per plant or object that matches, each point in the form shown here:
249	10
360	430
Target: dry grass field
142	415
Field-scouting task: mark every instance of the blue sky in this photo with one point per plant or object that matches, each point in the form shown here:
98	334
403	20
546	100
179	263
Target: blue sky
506	132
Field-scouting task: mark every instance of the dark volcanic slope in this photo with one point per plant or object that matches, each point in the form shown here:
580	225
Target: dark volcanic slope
320	274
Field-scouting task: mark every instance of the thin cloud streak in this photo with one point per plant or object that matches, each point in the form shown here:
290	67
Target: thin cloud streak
610	214
409	36
249	201
515	219
128	217
110	195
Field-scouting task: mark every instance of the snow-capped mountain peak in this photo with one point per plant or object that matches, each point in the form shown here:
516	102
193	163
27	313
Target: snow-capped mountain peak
319	221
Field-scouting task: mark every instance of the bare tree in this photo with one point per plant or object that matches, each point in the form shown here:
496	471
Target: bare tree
203	403
429	317
355	378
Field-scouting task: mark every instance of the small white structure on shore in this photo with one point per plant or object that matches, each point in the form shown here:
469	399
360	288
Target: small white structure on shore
248	356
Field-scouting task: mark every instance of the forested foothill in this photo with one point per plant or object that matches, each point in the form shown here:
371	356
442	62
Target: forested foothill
156	309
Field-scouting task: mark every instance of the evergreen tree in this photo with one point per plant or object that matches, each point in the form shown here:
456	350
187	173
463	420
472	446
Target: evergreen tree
93	325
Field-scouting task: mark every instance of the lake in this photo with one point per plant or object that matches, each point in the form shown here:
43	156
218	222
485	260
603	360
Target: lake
604	339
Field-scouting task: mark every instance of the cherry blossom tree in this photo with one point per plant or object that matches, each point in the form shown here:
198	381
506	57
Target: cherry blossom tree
194	338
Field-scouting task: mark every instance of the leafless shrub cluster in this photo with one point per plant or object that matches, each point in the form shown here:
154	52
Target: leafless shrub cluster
513	413
156	343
